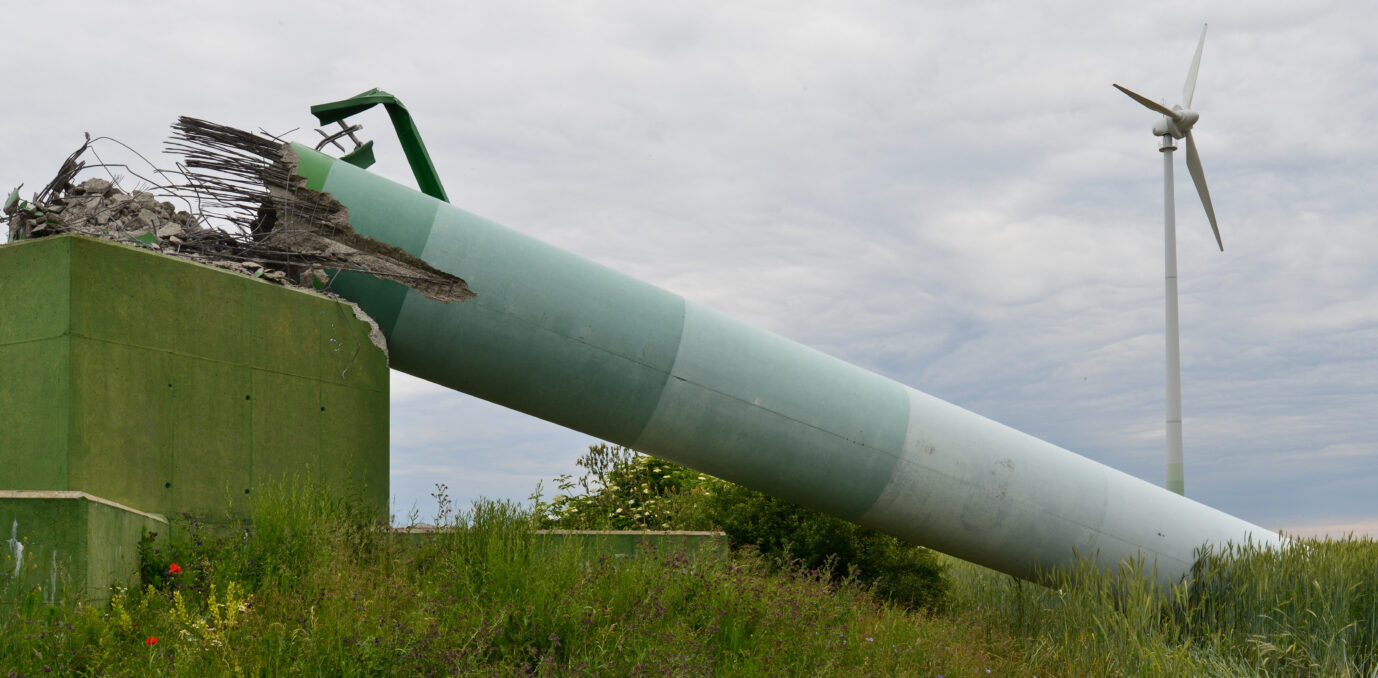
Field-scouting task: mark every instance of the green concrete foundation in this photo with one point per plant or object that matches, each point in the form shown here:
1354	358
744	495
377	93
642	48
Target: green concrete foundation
67	546
171	387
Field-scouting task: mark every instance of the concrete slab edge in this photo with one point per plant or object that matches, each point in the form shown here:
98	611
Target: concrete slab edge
74	494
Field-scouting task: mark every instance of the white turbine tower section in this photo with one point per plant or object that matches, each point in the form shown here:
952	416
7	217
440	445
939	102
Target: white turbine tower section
1177	125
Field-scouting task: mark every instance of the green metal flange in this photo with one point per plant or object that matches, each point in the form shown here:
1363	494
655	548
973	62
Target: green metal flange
361	157
422	168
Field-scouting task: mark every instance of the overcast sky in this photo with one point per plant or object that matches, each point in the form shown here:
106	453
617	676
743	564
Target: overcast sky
948	193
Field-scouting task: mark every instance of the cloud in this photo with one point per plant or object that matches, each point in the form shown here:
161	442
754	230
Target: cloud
950	194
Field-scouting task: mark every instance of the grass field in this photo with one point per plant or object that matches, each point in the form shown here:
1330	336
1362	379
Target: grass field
1311	610
317	588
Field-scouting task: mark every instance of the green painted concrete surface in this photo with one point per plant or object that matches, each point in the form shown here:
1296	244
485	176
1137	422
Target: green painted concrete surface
68	546
172	387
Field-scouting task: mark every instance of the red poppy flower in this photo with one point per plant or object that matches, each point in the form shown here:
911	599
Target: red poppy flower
174	569
151	641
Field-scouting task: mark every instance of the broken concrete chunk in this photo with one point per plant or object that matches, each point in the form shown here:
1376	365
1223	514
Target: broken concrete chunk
314	278
147	220
93	186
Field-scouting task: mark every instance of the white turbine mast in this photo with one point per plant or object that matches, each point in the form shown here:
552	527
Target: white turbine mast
1177	124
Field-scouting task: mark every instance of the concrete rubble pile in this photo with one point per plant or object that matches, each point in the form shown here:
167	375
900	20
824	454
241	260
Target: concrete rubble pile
99	209
267	224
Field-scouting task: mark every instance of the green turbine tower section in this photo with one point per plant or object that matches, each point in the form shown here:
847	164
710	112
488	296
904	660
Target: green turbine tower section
575	343
572	342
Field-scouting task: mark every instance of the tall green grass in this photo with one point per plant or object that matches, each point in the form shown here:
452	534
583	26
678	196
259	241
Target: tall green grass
1307	610
314	586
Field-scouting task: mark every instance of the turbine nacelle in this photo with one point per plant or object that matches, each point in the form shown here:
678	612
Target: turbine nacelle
1177	121
1176	128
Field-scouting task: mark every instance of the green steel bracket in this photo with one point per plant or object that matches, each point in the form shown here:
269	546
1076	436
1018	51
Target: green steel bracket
361	157
417	157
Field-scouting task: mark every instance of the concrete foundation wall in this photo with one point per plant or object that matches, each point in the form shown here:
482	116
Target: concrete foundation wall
66	546
171	387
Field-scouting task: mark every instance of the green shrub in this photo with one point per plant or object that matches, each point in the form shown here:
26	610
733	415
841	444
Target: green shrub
789	533
623	490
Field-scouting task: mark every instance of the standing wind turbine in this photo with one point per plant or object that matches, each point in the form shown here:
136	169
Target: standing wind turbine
1177	125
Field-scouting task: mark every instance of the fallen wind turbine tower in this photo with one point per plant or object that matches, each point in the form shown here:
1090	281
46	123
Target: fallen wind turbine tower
559	337
534	328
1176	124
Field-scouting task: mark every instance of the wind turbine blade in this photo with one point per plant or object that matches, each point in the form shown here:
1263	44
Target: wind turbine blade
1151	104
1189	89
1199	177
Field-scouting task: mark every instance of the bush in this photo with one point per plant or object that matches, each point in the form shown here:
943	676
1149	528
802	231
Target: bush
789	533
623	490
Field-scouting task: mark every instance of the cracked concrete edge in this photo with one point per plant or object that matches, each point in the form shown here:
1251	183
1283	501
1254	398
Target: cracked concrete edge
371	256
375	333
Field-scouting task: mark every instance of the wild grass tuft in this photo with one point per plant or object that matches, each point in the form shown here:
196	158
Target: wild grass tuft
1307	610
